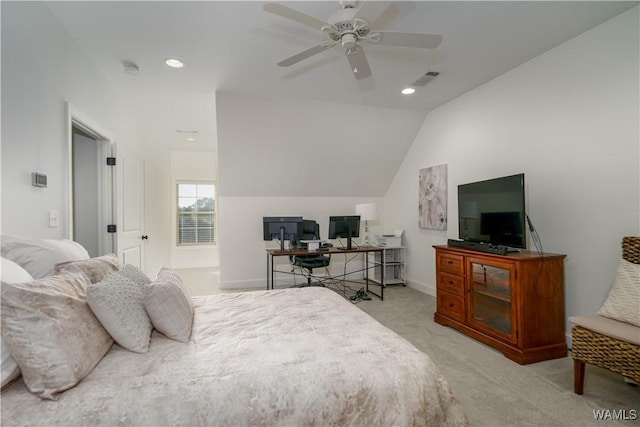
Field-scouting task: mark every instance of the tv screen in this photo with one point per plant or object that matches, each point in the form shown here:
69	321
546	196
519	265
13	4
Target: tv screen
493	211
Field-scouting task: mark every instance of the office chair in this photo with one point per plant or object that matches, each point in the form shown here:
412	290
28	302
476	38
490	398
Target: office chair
306	263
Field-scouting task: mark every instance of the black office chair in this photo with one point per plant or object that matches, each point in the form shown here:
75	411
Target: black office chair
306	263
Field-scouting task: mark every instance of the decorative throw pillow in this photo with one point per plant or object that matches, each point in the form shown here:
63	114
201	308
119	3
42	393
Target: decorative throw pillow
135	274
117	303
623	303
11	273
39	257
95	268
51	332
169	306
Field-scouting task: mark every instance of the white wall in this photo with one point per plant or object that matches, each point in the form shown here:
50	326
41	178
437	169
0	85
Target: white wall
349	154
159	140
284	147
243	260
568	119
44	68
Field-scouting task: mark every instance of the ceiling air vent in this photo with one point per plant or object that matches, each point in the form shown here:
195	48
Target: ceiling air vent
426	78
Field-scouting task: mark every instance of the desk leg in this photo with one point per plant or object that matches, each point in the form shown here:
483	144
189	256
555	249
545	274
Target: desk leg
366	268
382	268
273	284
270	283
366	272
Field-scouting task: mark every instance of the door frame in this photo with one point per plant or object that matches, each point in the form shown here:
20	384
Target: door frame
106	177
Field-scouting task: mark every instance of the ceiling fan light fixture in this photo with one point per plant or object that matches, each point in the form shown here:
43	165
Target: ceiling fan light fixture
174	63
408	91
349	40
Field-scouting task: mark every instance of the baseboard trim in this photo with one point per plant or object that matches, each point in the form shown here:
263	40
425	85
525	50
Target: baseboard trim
422	287
257	284
243	284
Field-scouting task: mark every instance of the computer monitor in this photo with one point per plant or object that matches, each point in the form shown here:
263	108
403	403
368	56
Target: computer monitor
282	228
344	226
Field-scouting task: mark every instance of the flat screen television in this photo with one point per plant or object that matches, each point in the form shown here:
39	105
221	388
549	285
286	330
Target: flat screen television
493	211
282	228
346	226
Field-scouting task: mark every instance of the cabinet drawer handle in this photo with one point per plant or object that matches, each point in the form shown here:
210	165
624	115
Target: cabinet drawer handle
450	305
449	261
451	282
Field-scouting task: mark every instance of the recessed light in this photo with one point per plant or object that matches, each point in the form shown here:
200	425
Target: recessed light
190	139
408	91
174	63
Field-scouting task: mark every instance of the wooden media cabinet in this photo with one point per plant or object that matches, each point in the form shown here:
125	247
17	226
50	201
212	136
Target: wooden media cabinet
513	302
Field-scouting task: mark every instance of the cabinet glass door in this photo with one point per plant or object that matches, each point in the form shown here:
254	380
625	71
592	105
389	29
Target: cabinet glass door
491	299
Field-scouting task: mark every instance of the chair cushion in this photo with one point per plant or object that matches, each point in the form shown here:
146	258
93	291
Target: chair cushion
312	261
609	327
623	302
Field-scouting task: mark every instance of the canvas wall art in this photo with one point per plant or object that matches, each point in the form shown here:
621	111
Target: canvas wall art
433	198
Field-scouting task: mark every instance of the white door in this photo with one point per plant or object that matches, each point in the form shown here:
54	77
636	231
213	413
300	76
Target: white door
130	224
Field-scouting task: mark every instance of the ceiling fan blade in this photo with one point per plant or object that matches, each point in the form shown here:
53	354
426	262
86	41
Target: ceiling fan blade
294	15
305	54
372	10
424	41
359	63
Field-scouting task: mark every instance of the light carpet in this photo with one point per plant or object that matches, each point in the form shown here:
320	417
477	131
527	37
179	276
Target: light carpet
496	391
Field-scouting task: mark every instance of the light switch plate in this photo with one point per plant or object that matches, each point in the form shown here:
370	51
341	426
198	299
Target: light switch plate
53	219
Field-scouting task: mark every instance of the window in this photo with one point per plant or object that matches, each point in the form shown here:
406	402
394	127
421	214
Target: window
196	214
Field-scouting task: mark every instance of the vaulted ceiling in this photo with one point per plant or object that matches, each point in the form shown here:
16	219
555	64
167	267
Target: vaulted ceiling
233	47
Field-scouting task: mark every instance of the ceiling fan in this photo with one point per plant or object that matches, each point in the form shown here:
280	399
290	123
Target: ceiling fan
349	28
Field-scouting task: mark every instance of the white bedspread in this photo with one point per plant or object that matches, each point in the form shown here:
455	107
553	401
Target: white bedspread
284	357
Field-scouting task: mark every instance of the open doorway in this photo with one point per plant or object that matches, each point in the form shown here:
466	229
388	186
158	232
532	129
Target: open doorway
91	206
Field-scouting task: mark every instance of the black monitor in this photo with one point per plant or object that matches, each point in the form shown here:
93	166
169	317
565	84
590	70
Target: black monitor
344	226
282	228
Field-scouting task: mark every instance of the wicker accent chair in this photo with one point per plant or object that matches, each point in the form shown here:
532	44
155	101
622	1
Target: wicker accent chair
604	342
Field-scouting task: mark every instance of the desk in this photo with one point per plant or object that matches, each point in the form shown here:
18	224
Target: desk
272	253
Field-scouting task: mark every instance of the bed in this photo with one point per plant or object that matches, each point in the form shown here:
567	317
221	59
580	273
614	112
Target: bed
281	357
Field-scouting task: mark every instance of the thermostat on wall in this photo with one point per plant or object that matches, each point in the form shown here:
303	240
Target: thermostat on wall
38	179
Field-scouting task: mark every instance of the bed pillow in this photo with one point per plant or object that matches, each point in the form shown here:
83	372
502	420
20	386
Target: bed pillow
624	299
39	257
10	369
51	332
11	273
117	303
169	306
95	268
